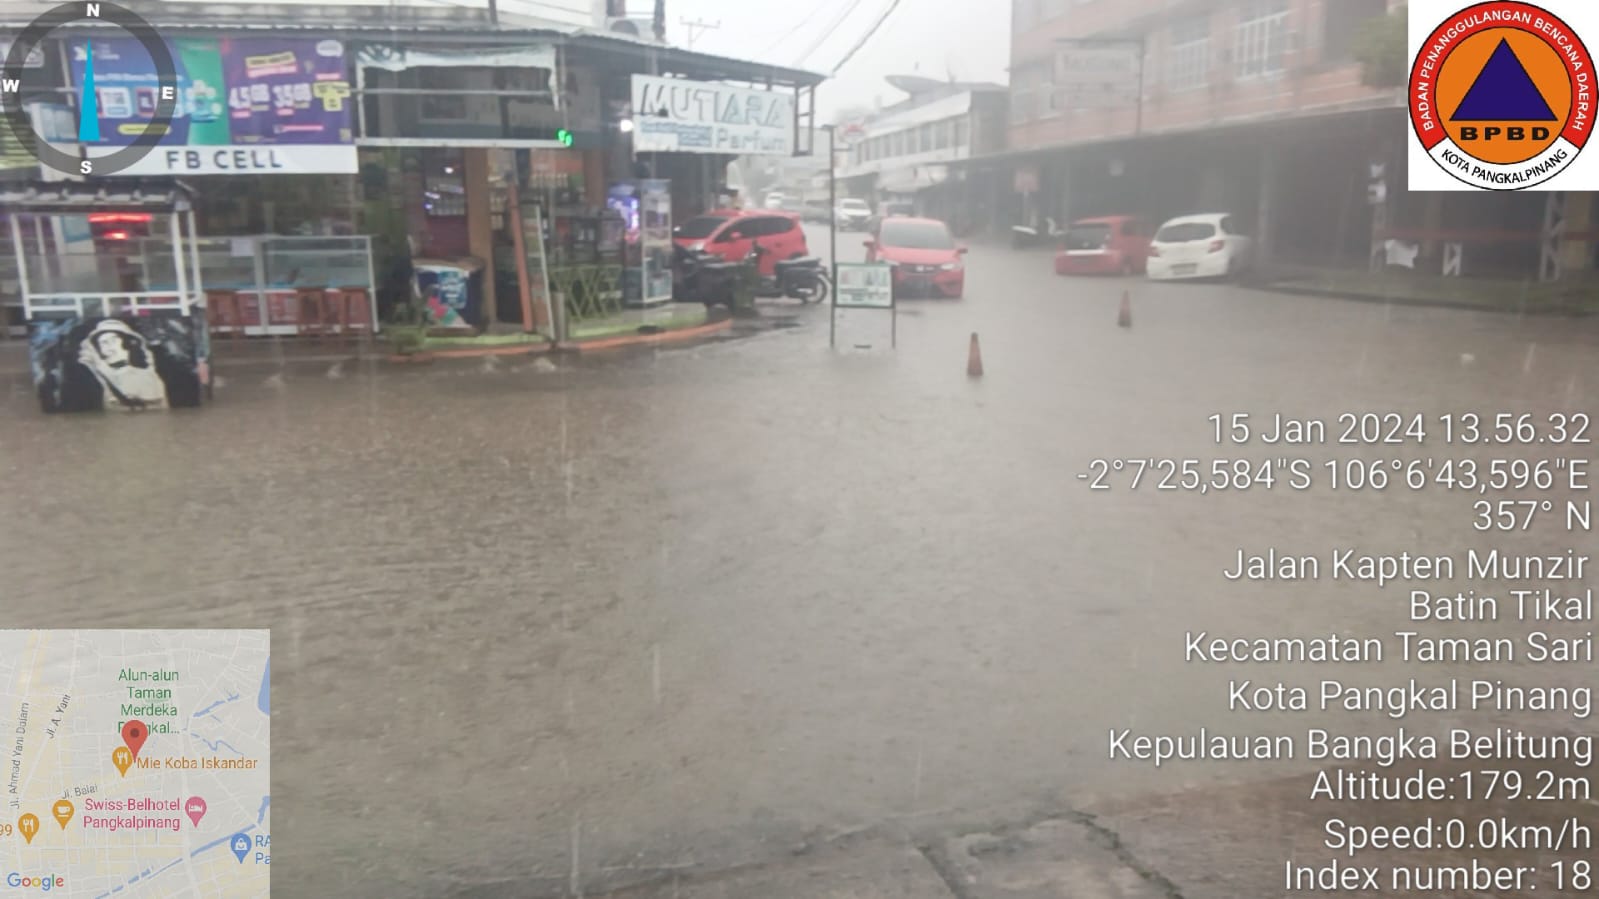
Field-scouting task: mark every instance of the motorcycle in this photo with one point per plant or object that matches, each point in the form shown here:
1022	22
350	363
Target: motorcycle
1023	237
710	279
804	278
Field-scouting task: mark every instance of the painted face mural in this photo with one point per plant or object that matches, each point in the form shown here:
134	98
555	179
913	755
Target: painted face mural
132	364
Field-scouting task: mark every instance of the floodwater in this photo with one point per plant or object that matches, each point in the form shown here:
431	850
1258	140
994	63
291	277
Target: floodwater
539	631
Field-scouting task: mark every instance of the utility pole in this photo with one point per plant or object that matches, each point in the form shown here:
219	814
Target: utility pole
697	26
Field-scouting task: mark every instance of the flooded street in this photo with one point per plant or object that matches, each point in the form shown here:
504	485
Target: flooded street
540	631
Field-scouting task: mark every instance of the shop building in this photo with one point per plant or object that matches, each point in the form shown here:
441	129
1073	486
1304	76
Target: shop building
496	161
1254	107
906	154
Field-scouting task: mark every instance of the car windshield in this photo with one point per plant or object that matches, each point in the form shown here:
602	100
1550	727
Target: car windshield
917	236
1185	232
700	227
1087	237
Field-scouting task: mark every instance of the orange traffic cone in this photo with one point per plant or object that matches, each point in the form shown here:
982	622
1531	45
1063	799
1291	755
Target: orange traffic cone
1124	315
974	359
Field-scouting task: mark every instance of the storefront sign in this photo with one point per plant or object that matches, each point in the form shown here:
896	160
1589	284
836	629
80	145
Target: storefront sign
675	115
243	159
1097	74
246	105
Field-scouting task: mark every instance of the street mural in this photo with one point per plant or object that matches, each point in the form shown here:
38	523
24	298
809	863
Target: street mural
130	363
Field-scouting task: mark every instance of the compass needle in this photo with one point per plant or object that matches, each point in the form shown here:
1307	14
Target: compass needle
88	109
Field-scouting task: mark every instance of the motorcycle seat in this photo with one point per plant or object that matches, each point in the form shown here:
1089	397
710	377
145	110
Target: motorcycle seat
784	265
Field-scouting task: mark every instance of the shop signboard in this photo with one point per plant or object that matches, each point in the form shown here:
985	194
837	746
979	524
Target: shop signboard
676	115
1097	74
256	105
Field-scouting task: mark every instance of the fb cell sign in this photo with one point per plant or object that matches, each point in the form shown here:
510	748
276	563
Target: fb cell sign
1502	95
675	115
259	105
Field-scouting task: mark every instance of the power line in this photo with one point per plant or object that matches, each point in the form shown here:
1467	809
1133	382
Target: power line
797	27
827	31
865	37
696	27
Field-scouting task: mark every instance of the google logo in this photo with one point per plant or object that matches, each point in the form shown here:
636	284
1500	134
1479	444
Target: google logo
45	883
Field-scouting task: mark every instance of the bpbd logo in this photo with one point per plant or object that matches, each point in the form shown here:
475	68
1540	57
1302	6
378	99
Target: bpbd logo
1502	95
42	882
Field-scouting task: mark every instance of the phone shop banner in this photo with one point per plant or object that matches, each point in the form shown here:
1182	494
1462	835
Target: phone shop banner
256	105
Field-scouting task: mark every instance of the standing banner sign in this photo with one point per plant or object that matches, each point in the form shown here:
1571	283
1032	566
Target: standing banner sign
257	105
865	285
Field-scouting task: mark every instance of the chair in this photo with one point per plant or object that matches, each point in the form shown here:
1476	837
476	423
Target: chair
223	314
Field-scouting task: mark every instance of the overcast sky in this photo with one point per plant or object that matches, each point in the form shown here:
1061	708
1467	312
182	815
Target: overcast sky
926	37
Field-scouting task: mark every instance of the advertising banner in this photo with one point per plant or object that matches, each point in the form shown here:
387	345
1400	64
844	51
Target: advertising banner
1097	75
127	364
245	105
675	115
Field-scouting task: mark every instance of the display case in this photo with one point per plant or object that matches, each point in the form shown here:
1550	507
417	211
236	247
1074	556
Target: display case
645	210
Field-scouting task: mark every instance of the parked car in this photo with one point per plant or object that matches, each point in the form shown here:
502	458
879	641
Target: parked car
731	234
1199	246
817	211
853	214
774	200
923	254
1108	245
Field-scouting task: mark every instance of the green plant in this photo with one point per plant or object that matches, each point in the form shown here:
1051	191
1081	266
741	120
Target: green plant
1380	49
407	339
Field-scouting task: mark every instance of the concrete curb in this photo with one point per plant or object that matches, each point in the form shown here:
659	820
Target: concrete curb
1413	302
655	339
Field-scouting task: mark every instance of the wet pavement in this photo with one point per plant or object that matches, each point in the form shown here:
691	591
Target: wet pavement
549	628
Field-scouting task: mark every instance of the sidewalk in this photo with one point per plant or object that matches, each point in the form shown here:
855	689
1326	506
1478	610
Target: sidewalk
1407	288
672	323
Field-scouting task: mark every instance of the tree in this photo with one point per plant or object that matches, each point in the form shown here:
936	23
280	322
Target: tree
1380	48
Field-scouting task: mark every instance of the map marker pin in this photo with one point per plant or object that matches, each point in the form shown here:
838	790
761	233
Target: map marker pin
134	734
122	757
29	825
63	812
195	808
241	846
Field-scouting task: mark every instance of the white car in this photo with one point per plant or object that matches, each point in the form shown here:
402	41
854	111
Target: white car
852	214
1199	246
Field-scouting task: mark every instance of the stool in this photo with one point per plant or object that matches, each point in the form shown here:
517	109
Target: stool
355	308
222	312
310	311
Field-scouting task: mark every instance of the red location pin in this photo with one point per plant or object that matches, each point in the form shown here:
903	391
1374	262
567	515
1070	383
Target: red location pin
134	734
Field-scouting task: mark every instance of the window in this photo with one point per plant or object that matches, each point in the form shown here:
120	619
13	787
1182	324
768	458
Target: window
1185	232
961	136
916	235
1087	237
1188	53
941	134
925	142
1260	38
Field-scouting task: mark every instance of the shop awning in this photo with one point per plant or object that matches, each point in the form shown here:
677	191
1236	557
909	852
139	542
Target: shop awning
911	179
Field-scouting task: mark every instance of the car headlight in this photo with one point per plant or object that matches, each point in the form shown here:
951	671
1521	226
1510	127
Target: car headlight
950	267
697	246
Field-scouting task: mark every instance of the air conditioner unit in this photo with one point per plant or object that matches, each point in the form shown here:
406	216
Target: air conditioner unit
641	28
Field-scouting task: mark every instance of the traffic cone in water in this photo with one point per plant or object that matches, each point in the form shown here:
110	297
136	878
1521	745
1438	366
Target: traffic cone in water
974	359
1124	315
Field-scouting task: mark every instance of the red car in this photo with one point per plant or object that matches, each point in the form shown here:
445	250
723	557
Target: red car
923	254
730	233
1110	245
